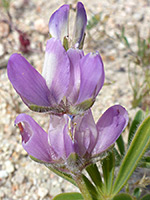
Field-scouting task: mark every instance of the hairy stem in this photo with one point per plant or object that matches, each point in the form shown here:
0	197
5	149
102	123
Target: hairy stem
82	186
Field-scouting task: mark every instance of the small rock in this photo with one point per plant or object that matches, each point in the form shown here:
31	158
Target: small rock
55	188
41	26
121	46
17	4
9	167
2	50
42	192
2	194
138	17
3	174
18	178
4	29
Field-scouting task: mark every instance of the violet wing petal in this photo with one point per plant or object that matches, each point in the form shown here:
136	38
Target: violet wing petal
58	23
110	126
80	24
92	77
56	70
35	139
85	134
101	79
59	137
74	84
29	84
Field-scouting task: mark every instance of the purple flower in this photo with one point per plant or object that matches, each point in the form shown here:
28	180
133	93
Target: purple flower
72	140
58	24
70	81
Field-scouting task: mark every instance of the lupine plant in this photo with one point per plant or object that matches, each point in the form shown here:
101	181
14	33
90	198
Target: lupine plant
66	90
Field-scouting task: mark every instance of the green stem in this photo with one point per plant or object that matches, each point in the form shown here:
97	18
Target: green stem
82	186
61	174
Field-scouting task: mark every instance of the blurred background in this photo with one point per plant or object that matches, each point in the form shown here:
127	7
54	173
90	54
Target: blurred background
119	30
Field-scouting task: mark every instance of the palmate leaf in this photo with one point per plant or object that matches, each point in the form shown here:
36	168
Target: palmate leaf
139	144
69	196
123	196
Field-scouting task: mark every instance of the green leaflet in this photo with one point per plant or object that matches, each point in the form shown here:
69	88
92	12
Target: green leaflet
139	144
137	193
69	196
122	196
120	144
91	188
146	197
145	162
95	175
108	165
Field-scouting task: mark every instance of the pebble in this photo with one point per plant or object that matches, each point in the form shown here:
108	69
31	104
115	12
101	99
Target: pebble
3	174
4	29
9	167
41	26
2	50
54	189
18	4
18	178
42	192
2	194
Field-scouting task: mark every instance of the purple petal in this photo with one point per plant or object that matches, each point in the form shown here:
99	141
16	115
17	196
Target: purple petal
86	133
34	139
29	84
110	126
59	136
58	23
100	83
74	84
92	76
56	70
80	24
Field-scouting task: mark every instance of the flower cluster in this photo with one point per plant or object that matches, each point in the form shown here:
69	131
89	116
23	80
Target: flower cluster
67	88
79	137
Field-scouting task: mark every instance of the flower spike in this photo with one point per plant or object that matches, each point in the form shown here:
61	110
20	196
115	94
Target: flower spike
72	140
